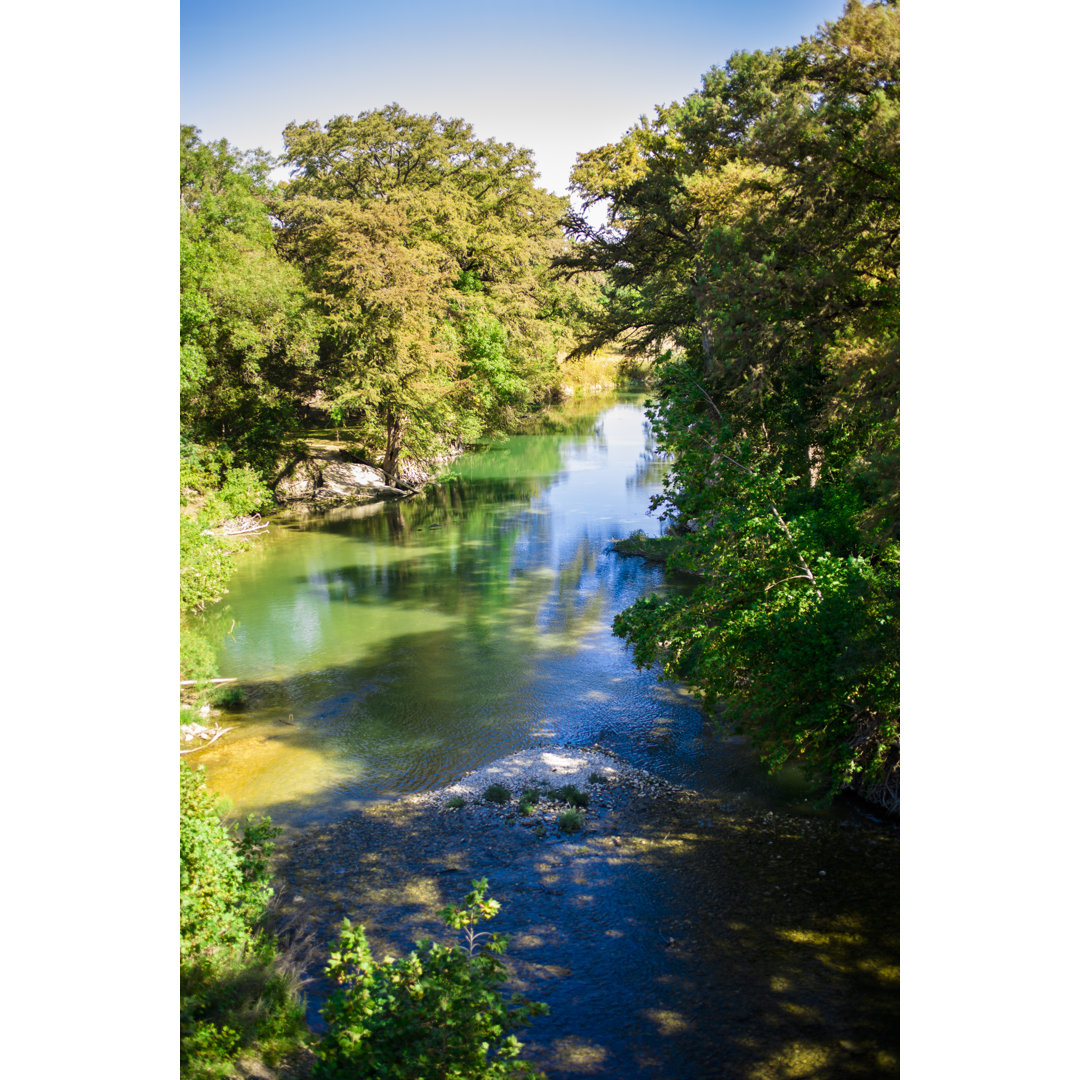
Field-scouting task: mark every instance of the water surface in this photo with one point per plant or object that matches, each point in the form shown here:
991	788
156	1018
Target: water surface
391	647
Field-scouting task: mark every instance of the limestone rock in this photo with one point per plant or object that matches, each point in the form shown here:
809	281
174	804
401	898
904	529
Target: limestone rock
300	482
349	480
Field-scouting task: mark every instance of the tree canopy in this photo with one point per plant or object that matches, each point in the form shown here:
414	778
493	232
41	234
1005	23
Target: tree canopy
428	249
249	332
752	239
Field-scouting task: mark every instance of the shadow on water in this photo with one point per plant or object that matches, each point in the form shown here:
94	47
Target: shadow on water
775	956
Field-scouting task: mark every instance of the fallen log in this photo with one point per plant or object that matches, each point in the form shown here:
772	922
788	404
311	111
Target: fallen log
192	682
246	531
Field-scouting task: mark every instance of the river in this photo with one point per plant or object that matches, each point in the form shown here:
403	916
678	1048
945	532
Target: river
387	649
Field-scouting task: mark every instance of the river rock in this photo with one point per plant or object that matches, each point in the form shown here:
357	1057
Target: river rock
350	480
300	482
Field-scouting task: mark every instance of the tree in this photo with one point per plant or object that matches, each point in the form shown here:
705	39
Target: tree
754	227
418	238
248	331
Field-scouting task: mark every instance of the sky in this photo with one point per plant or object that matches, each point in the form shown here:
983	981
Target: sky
558	77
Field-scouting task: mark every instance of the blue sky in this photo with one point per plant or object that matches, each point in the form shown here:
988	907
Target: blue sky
558	77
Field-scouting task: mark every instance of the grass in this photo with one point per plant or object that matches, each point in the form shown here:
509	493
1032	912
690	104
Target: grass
654	548
596	778
456	803
570	794
497	793
570	821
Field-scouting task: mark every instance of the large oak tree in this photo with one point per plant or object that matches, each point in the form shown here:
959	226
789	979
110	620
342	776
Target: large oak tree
429	250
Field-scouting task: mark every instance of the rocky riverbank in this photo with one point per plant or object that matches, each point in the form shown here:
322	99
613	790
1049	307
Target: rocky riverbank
329	475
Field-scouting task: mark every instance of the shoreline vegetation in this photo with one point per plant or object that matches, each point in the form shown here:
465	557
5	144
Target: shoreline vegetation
411	291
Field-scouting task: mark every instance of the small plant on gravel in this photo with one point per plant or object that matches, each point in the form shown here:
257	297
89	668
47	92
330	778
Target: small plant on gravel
456	803
526	806
570	821
438	1012
497	793
570	794
596	778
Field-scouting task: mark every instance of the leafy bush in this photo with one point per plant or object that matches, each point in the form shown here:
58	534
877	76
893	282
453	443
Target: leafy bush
224	882
437	1012
497	793
219	492
235	995
197	659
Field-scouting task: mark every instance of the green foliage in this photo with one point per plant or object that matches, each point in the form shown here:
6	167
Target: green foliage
455	803
197	658
570	794
224	880
212	491
234	995
248	331
528	802
635	371
428	251
571	821
438	1012
755	226
655	548
497	793
495	390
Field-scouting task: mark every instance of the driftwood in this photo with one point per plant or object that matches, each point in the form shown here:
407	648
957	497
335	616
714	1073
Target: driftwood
217	735
240	526
192	682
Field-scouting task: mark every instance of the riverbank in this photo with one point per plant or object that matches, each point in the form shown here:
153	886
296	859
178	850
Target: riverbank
673	936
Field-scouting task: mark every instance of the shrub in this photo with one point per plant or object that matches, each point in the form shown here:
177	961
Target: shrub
437	1012
570	821
497	793
455	803
224	883
234	994
570	794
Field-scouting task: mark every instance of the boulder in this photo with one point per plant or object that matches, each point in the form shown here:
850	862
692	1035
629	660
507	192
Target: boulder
300	482
350	480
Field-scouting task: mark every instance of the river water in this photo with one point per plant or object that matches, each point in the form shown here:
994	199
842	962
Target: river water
389	648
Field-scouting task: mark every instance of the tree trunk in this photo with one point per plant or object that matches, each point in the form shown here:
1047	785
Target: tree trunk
395	430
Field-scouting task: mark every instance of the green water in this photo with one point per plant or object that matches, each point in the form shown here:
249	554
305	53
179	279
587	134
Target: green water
391	647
